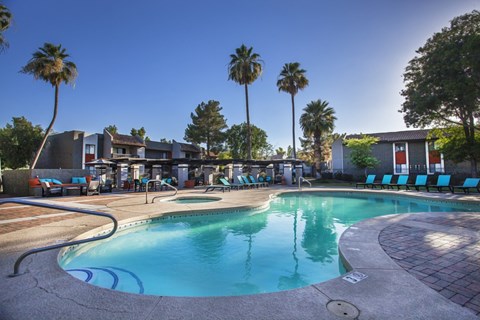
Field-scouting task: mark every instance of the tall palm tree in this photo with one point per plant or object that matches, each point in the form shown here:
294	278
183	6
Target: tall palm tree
244	68
5	21
50	65
317	121
292	79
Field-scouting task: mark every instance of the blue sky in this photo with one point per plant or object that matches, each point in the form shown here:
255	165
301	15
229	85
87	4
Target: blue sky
150	63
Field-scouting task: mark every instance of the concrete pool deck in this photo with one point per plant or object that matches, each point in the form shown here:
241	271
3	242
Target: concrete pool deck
416	266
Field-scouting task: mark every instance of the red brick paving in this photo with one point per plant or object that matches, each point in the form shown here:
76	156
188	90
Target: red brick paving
447	263
39	217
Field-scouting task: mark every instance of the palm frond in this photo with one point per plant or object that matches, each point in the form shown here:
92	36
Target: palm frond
49	64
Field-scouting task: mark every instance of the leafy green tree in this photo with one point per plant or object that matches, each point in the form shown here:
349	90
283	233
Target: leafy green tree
223	155
452	144
164	140
236	141
207	126
442	82
289	151
307	152
361	152
5	21
280	151
265	151
244	68
292	79
50	65
112	129
318	122
140	132
18	142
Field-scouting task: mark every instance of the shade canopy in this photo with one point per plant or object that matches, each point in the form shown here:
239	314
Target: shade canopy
99	162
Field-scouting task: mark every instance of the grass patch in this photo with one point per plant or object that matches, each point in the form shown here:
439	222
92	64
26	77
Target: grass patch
329	183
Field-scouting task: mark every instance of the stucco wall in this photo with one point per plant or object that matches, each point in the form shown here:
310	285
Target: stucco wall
15	182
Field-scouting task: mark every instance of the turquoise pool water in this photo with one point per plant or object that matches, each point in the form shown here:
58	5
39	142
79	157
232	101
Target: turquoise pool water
292	244
193	200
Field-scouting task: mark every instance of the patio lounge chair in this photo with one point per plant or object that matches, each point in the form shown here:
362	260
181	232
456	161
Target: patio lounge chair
93	188
420	181
368	182
232	186
386	180
107	187
469	183
443	181
253	184
212	187
49	189
244	181
260	183
401	182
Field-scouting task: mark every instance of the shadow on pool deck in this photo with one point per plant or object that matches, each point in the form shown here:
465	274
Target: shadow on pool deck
388	292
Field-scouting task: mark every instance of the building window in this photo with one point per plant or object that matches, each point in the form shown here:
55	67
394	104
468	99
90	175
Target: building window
119	150
89	152
164	155
400	158
434	158
90	149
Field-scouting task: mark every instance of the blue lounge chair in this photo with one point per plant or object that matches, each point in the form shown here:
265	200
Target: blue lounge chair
469	183
443	181
268	179
401	182
231	185
420	181
212	187
245	182
386	180
260	183
252	182
368	182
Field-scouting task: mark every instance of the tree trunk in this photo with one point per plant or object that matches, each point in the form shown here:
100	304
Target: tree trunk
472	143
47	132
208	148
294	153
249	130
473	168
317	151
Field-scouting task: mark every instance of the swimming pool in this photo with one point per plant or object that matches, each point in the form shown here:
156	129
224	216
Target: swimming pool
193	200
292	244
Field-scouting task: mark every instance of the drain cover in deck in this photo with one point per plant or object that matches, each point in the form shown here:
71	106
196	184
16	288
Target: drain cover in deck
343	309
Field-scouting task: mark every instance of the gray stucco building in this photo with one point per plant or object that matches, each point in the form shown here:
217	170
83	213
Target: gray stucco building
401	152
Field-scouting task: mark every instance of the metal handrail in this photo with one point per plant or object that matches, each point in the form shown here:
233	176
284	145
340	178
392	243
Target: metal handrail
16	267
300	179
162	183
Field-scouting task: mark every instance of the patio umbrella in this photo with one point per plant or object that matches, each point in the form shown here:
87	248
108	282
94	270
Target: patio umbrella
100	163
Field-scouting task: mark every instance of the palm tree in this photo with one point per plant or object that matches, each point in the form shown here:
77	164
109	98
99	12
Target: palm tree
5	21
317	121
49	64
292	79
244	68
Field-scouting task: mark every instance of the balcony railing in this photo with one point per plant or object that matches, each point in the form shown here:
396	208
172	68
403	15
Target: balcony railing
125	155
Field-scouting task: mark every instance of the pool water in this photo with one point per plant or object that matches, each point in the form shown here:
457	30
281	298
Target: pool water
192	200
292	244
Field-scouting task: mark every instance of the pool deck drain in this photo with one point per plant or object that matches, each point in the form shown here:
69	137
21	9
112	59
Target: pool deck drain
343	309
388	291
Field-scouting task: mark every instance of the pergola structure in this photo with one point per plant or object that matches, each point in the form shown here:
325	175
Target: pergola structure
199	162
182	167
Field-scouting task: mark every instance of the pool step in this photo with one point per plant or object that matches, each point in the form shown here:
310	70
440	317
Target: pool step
109	277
